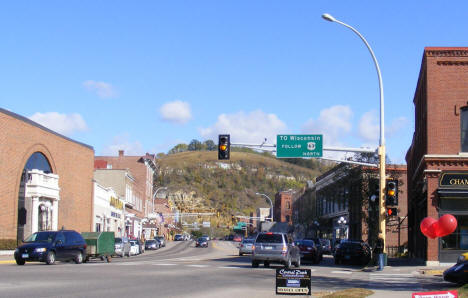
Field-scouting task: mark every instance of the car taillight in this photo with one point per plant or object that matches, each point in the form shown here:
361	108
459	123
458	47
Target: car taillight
285	248
253	247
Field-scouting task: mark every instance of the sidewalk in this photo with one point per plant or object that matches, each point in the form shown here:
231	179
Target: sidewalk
6	257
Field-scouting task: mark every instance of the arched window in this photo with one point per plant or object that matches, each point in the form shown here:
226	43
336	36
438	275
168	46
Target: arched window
39	162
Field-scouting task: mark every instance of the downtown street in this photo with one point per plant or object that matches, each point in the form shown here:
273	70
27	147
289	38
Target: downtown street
182	270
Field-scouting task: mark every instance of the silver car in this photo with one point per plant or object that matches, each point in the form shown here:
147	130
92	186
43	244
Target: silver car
122	247
245	247
272	247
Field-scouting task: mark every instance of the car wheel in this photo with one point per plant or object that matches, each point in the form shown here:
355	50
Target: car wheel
241	254
288	263
20	261
254	264
337	261
50	259
108	259
78	258
266	264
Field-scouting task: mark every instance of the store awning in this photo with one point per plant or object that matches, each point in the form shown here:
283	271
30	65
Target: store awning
452	192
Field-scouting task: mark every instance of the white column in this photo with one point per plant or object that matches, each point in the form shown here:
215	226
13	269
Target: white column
55	215
35	214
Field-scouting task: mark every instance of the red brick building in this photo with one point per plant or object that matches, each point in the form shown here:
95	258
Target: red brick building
346	201
283	207
438	157
46	179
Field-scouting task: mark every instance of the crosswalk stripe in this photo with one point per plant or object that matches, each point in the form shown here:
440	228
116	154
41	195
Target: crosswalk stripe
342	272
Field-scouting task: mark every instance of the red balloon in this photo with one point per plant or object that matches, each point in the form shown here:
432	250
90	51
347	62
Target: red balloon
447	225
428	227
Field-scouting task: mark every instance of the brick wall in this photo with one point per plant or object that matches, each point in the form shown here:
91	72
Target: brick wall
72	161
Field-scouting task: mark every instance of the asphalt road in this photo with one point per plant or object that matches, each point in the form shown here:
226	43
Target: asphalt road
182	270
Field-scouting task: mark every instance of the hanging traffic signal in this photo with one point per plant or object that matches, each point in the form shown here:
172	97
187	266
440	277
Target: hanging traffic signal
224	147
392	211
391	193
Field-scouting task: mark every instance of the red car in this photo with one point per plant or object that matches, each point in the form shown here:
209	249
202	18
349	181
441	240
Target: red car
237	238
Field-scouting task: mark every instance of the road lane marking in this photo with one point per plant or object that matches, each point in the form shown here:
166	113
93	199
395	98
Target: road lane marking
198	266
341	272
162	264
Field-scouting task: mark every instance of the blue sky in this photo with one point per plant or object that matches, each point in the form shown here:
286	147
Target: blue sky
144	76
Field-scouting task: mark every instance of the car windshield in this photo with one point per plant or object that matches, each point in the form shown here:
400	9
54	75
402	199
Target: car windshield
248	241
118	240
150	241
270	238
46	237
306	242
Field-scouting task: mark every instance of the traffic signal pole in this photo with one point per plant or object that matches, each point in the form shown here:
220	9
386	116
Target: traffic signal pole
382	182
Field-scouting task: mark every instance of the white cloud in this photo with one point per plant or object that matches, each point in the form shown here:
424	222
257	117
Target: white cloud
123	142
334	123
243	127
61	123
102	89
176	112
369	127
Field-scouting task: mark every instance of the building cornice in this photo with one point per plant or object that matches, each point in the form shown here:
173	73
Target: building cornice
446	52
460	159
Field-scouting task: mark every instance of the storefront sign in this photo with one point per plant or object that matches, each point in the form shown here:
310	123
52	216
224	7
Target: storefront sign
458	180
116	203
293	281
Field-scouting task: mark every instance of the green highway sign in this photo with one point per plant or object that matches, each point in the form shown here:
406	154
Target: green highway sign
299	146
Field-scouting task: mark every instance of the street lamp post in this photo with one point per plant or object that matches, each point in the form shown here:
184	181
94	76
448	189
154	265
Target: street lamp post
381	150
342	225
271	203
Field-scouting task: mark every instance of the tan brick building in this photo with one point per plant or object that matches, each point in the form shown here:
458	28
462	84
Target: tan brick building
46	180
137	190
438	157
283	207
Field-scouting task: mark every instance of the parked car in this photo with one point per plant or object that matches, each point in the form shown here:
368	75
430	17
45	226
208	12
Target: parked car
161	240
152	244
318	246
245	247
178	237
237	238
122	247
309	250
349	251
272	247
135	247
201	242
326	246
458	273
49	246
206	237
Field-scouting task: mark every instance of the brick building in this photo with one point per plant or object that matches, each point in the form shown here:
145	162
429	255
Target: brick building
438	156
347	205
139	201
283	206
46	182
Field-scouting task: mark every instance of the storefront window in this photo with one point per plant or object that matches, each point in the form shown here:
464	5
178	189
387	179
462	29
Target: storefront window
458	240
464	129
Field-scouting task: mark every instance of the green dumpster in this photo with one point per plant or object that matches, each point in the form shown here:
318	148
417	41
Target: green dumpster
99	245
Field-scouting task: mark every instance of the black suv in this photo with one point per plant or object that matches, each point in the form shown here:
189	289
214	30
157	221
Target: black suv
49	246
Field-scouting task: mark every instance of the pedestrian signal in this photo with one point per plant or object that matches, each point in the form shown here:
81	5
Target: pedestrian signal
392	212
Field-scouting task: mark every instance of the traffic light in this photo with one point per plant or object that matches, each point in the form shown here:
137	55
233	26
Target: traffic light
391	193
224	147
392	211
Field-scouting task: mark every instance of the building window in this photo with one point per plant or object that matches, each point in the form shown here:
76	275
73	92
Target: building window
458	240
464	129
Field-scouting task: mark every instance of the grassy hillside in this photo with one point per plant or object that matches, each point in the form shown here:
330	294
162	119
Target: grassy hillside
201	181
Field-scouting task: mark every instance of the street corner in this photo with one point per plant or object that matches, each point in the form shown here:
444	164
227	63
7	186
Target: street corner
431	272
